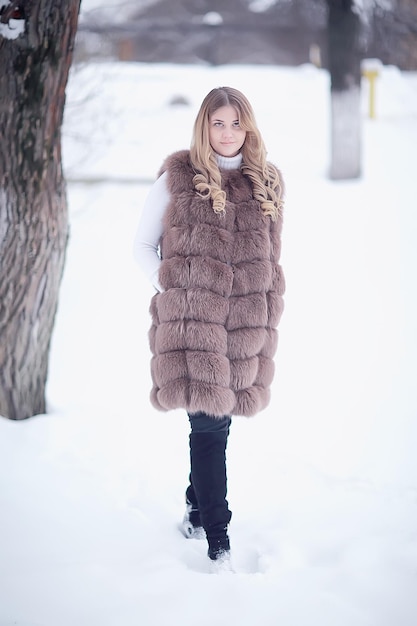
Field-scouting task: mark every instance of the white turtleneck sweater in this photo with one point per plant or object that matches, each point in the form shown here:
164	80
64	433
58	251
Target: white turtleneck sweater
150	228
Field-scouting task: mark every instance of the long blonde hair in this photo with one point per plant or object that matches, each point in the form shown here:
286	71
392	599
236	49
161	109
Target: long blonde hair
266	184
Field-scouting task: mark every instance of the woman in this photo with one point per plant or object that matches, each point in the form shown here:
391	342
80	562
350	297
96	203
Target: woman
209	240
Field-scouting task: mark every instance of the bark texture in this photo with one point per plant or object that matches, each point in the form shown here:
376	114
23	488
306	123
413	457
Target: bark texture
33	208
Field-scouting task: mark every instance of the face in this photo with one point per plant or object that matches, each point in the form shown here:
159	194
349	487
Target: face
226	136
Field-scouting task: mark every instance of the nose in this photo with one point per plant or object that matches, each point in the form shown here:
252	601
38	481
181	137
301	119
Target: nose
227	132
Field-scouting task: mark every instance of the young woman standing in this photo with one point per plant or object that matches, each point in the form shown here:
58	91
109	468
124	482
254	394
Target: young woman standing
209	241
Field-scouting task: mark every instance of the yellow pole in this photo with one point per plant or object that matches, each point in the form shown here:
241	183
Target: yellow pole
371	75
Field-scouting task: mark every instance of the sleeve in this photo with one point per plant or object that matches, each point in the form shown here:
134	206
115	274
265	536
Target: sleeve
150	229
278	279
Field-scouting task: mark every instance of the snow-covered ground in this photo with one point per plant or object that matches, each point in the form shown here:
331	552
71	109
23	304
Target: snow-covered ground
323	484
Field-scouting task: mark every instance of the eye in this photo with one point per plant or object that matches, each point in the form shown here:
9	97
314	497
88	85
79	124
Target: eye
236	124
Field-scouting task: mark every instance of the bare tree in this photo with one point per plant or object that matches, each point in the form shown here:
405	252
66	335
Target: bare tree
36	44
344	57
394	32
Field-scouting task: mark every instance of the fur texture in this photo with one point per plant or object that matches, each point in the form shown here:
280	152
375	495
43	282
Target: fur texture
213	333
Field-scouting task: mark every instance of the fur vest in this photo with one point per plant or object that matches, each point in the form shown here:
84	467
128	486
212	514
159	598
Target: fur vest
213	331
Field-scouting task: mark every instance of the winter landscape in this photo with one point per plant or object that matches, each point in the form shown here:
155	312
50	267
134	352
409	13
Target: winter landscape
323	484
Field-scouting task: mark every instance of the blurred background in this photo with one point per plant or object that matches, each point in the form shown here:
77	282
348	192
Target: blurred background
284	32
350	41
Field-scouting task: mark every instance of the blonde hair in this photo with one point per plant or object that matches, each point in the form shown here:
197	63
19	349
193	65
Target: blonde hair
266	184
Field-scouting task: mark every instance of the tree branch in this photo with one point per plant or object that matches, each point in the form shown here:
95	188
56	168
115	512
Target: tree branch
15	10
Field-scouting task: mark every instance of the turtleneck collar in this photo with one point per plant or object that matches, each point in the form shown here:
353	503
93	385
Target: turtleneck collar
229	163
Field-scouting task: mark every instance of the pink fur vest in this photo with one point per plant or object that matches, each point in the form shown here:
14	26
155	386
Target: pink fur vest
213	333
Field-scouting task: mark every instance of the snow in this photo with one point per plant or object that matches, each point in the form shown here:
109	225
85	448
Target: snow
13	29
364	8
212	18
322	484
259	6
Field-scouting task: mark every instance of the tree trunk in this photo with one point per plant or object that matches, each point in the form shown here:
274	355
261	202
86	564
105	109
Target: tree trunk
344	31
33	208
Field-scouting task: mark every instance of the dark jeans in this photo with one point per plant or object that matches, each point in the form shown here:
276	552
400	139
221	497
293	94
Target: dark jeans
208	480
203	423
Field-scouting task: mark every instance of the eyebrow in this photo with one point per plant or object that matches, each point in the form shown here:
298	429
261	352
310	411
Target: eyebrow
217	119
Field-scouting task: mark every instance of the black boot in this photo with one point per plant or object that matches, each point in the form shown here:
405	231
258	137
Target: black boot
209	482
218	546
191	524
